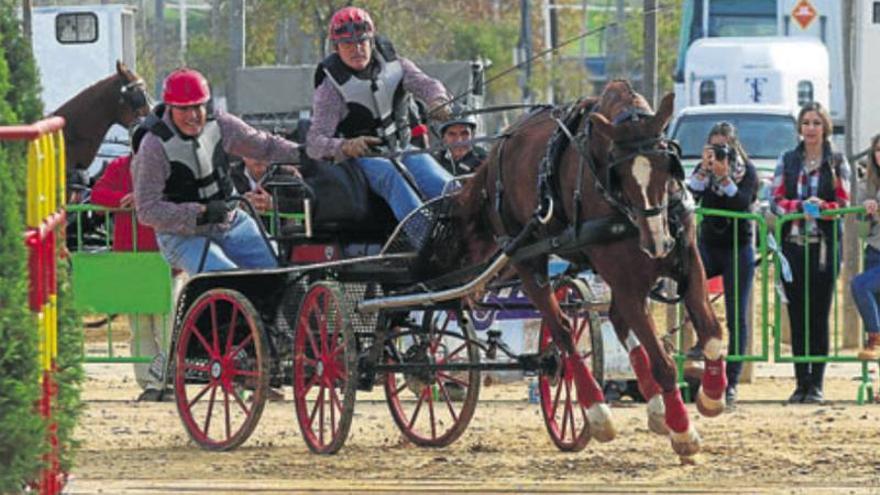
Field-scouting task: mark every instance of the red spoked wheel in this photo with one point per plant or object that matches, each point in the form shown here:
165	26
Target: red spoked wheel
324	368
565	418
433	408
221	373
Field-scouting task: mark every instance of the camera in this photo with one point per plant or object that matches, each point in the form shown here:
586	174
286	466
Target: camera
723	151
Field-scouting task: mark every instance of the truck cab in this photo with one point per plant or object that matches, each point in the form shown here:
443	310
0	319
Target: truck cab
773	70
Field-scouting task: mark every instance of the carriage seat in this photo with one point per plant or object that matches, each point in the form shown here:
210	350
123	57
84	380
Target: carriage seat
343	206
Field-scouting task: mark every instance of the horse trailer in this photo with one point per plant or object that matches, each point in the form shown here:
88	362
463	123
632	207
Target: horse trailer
74	46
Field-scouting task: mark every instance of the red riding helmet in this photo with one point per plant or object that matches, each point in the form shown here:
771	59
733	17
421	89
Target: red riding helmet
350	24
185	87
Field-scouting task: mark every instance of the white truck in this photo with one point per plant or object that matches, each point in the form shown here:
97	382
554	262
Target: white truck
820	20
74	47
750	70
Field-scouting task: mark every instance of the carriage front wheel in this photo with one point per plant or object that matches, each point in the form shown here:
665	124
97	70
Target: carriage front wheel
565	418
433	407
221	376
324	368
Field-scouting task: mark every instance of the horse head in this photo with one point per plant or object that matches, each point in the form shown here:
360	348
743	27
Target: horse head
638	162
132	96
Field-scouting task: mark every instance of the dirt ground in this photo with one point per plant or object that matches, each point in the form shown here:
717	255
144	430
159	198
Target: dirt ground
762	446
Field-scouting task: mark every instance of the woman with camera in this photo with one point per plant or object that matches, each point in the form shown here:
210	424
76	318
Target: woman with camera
725	179
809	179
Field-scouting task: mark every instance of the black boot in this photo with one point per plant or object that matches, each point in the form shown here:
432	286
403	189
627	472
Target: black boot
814	393
802	375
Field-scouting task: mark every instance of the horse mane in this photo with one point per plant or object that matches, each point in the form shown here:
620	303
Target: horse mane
88	117
87	96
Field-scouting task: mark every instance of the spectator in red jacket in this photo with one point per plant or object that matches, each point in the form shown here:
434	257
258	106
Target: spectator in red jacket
114	190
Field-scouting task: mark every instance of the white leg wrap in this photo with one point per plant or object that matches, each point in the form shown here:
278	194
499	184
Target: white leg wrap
601	426
657	415
714	349
632	341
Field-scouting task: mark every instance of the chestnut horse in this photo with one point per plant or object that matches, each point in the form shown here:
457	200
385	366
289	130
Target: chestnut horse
117	99
629	170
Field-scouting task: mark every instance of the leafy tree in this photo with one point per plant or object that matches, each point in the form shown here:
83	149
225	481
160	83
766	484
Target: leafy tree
668	21
25	100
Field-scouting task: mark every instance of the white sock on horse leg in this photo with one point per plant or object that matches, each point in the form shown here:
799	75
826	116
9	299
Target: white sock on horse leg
713	349
631	341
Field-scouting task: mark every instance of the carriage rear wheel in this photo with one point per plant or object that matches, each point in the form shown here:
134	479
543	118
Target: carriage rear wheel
221	374
565	418
433	408
324	368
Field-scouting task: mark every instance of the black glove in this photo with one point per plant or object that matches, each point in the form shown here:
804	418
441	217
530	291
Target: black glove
215	212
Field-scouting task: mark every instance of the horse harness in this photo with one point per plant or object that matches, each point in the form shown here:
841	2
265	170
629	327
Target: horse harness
615	227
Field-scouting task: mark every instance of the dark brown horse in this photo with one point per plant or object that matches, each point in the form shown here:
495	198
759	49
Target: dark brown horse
629	170
117	99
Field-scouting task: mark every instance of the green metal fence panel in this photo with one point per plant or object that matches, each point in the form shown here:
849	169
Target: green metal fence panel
865	391
121	282
762	270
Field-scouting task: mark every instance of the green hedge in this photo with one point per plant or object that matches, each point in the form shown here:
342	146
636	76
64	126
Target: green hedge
22	430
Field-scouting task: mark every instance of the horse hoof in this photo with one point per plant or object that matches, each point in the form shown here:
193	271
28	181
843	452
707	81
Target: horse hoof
601	426
657	416
686	443
708	406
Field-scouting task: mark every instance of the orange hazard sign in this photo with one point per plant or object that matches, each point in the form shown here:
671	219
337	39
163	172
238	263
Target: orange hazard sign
804	13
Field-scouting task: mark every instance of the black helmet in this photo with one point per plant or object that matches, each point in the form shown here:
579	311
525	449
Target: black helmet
459	119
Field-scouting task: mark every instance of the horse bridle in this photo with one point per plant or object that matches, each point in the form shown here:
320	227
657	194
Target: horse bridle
653	146
134	94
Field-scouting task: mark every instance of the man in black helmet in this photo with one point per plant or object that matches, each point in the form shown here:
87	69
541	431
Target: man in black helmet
461	157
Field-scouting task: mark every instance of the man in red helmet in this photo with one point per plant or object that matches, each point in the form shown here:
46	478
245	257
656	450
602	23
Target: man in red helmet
182	184
362	100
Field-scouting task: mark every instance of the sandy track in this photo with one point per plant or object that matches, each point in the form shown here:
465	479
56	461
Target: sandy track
761	447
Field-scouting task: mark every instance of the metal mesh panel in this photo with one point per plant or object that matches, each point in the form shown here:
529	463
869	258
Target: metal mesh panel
363	323
421	221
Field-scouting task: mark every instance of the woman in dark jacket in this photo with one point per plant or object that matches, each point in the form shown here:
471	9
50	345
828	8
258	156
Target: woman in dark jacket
727	180
808	179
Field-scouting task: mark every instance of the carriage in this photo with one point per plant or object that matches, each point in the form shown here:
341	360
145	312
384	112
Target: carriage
339	317
352	309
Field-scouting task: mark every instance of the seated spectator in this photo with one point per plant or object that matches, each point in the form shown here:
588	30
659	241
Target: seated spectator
866	286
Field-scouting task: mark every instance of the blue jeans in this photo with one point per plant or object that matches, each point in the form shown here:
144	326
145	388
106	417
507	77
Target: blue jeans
241	246
723	261
866	290
387	182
